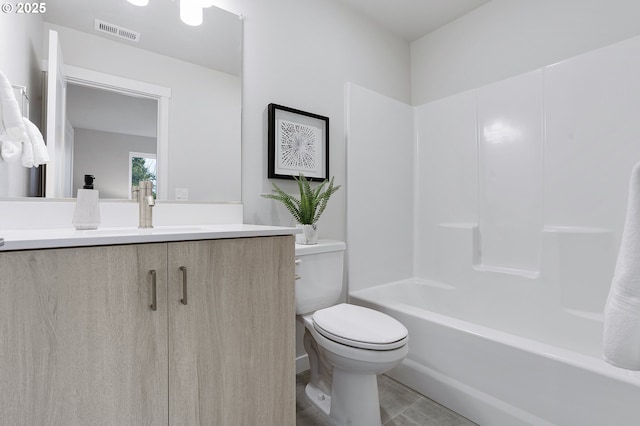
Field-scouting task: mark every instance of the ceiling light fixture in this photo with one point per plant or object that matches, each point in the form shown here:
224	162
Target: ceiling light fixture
139	2
190	10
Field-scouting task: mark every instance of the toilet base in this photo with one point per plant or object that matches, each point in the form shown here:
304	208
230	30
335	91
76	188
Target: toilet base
318	398
354	402
355	399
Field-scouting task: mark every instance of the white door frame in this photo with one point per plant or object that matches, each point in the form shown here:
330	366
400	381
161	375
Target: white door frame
95	79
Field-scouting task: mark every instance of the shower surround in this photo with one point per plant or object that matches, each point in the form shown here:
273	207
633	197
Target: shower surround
506	218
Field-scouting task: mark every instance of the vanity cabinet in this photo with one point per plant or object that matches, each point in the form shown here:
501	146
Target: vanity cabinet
83	340
240	307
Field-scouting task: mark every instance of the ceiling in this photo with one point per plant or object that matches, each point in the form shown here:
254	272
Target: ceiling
221	33
216	44
108	111
412	19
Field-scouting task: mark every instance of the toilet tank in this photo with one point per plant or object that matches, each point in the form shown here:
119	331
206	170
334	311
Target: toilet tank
319	267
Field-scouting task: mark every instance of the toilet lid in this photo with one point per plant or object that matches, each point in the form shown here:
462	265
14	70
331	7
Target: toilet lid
360	327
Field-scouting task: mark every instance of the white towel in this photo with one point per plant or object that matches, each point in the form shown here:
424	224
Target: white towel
11	115
12	130
622	310
10	151
38	150
27	151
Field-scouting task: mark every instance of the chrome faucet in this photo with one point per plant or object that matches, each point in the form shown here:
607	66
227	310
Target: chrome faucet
145	203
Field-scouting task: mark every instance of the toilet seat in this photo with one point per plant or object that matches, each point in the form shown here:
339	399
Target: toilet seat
360	327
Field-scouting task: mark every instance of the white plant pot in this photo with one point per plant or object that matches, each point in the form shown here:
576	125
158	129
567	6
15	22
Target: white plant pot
309	234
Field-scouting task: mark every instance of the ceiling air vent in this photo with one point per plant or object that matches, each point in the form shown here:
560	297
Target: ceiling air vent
117	31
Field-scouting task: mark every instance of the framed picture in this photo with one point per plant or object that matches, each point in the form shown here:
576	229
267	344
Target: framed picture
298	143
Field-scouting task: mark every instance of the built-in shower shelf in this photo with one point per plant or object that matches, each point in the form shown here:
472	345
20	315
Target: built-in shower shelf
511	271
576	230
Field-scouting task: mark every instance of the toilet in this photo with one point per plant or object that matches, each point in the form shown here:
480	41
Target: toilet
347	345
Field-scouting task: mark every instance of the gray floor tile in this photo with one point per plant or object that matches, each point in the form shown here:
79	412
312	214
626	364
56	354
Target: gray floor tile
301	399
429	413
401	420
311	417
394	397
399	406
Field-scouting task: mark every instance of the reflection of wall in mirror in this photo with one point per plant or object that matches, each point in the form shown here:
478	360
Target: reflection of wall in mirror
107	127
20	60
106	156
204	111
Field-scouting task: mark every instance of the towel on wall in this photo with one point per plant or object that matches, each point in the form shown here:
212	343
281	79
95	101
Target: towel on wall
622	310
12	129
27	152
9	150
11	114
34	150
19	137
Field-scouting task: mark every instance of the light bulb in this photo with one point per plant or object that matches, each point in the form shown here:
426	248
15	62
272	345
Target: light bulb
191	12
139	2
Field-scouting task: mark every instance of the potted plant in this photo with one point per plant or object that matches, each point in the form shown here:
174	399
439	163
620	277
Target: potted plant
307	209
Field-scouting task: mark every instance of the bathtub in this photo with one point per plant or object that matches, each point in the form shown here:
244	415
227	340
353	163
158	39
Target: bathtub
514	363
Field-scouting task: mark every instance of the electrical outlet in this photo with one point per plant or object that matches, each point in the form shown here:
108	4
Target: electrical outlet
182	194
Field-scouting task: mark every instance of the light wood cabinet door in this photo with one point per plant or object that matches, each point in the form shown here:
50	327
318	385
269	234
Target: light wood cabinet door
231	347
79	342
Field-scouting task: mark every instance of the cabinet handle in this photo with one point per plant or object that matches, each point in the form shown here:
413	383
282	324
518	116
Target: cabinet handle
184	285
154	294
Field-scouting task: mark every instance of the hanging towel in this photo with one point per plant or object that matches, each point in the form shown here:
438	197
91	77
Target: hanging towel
11	115
10	151
34	150
622	310
12	130
27	151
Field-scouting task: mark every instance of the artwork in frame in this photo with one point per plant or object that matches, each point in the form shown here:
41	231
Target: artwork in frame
298	144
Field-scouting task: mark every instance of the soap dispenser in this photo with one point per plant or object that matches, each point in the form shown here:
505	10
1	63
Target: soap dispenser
87	213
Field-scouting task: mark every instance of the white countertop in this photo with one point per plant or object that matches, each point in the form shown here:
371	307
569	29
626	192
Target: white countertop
70	237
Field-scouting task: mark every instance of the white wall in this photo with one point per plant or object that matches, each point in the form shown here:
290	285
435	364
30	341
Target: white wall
380	191
446	158
510	168
204	111
300	53
20	53
508	37
529	176
106	156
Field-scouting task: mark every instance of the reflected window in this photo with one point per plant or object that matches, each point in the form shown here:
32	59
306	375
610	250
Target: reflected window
142	166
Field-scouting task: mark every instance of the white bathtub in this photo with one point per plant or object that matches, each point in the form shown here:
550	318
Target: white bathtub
513	363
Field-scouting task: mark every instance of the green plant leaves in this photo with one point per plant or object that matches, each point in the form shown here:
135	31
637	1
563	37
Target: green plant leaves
312	203
323	198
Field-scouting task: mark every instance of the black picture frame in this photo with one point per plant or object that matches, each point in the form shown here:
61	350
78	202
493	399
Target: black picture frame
298	144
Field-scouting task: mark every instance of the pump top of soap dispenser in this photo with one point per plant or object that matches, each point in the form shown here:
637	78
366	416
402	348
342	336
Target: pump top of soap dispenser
88	181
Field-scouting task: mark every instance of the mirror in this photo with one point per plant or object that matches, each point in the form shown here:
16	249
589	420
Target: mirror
109	131
191	113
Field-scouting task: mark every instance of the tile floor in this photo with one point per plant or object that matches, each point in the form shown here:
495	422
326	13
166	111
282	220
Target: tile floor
399	405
